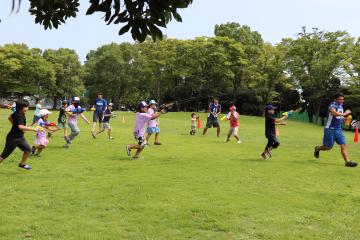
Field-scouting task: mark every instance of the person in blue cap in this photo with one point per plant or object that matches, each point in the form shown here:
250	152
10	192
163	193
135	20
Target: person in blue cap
270	131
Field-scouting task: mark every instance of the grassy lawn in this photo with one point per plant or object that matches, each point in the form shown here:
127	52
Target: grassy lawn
191	187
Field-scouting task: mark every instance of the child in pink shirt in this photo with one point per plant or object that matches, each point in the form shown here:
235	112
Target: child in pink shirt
153	126
142	119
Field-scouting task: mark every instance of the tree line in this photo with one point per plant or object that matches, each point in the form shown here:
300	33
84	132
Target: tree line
236	64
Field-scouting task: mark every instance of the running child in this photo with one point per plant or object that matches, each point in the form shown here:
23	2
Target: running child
73	112
15	137
40	139
153	125
142	119
38	108
270	130
233	117
62	118
106	121
194	120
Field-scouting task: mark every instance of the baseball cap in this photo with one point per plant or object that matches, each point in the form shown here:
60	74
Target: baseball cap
44	112
152	102
76	99
270	107
142	104
232	108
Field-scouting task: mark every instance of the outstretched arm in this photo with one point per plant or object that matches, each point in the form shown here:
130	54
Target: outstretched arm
85	119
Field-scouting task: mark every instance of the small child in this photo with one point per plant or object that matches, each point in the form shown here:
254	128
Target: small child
142	119
106	121
73	111
62	118
40	140
270	130
15	137
194	120
38	108
233	117
153	125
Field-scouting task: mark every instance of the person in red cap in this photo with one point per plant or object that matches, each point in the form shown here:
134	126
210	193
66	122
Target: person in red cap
233	117
270	131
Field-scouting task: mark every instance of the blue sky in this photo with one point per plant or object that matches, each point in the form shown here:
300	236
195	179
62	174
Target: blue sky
274	19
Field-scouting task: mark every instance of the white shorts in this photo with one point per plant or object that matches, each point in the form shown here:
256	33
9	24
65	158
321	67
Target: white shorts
233	130
106	125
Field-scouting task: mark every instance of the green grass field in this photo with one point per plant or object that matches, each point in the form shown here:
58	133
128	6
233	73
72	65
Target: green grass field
192	187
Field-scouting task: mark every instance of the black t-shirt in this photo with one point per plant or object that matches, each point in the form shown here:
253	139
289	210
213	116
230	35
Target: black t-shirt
17	119
269	125
107	118
62	116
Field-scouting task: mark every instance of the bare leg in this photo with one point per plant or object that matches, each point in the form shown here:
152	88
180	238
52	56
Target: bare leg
93	127
24	158
138	149
237	137
156	137
148	137
344	152
39	149
109	133
323	148
205	130
218	132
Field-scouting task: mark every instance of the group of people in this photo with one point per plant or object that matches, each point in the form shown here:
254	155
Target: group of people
67	120
147	124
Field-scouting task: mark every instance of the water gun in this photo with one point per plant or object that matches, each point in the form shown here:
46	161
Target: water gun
78	110
223	118
289	113
348	120
39	128
50	124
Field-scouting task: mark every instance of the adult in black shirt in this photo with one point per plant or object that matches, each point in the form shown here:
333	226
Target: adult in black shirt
270	130
15	137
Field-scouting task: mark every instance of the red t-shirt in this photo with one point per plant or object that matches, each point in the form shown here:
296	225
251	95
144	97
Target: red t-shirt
234	120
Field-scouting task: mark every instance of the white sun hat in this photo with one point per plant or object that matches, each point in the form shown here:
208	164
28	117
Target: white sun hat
44	112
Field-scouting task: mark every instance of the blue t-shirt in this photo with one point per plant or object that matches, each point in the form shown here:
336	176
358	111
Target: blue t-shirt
100	105
214	110
334	122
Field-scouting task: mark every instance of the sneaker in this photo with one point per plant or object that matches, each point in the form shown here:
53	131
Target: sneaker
316	152
111	138
33	149
26	167
263	155
350	164
227	140
128	150
93	135
239	141
157	143
49	134
67	140
269	153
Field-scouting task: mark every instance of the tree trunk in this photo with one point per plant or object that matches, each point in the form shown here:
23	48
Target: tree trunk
54	102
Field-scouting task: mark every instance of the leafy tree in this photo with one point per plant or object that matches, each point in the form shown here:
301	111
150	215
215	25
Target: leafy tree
141	18
24	71
315	61
68	73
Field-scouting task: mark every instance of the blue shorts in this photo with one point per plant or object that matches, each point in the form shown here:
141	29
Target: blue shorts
333	135
152	130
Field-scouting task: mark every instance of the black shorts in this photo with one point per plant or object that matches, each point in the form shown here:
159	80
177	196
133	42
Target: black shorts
212	122
98	117
12	143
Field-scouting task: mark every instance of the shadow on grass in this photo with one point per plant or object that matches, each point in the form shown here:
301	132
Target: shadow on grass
311	161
